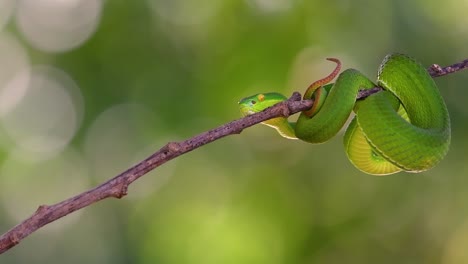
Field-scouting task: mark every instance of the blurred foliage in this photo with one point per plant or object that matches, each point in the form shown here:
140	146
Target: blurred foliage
155	71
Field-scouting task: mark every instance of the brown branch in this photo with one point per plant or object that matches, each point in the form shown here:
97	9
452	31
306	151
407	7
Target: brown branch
436	71
117	186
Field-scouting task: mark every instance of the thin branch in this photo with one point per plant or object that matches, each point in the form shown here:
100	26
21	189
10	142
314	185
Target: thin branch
436	71
117	187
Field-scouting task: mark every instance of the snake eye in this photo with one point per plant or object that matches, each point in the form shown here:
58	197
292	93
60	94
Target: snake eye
253	102
261	97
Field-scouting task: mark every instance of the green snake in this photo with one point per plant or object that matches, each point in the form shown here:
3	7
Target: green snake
404	127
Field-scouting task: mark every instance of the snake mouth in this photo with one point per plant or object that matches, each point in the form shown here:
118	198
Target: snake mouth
245	111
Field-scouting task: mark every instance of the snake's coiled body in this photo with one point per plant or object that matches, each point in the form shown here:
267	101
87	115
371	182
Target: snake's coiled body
406	127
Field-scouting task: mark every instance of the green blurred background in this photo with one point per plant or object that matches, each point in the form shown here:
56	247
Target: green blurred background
89	87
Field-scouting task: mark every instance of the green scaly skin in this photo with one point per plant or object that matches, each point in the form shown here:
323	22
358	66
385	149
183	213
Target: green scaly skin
406	127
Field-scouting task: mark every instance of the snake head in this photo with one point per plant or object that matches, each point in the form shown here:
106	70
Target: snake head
259	102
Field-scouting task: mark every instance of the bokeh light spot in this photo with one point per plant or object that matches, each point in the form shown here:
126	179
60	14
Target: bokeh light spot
14	63
116	140
48	114
272	6
58	26
456	247
6	9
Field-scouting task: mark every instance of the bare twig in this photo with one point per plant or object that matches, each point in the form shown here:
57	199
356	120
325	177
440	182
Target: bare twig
436	71
117	186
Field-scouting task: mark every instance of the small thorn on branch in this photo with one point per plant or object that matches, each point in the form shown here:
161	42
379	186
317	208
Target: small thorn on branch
14	239
121	190
41	209
173	147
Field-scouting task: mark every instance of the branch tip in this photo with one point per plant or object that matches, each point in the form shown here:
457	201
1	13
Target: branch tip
436	68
